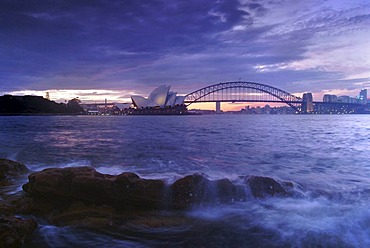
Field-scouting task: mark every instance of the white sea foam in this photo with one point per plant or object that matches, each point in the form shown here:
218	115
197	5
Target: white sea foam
12	156
42	166
112	169
298	222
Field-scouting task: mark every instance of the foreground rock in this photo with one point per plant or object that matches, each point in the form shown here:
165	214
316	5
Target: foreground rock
9	169
10	172
14	230
262	187
196	189
125	191
129	191
83	197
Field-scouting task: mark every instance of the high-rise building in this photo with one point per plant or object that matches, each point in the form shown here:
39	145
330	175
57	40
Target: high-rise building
363	96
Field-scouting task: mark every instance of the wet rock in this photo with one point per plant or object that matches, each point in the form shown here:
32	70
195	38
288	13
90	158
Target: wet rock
14	230
7	203
188	191
90	186
84	198
265	186
129	188
129	191
228	192
159	220
126	190
11	168
84	215
55	182
196	189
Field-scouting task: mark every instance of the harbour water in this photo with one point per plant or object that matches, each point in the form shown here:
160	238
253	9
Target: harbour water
327	157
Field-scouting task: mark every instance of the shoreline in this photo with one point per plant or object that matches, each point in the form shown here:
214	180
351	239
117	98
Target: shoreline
38	114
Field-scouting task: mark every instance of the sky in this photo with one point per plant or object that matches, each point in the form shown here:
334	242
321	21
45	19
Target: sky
98	49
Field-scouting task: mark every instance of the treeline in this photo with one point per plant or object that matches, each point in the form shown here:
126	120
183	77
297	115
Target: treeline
37	105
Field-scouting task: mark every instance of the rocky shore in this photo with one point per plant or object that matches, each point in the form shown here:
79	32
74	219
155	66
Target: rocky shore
13	230
82	197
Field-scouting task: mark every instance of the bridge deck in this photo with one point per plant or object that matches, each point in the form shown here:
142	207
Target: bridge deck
232	100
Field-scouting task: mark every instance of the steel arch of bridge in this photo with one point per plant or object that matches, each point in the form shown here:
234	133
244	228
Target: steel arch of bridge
242	92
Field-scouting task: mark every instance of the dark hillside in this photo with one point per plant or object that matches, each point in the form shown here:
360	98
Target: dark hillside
35	105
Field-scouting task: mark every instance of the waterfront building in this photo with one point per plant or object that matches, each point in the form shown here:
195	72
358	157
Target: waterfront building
104	108
160	97
329	98
266	110
161	101
347	99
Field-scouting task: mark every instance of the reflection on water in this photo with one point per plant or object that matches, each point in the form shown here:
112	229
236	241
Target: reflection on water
326	156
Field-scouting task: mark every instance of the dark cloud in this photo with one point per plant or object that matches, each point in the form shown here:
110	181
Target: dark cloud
127	44
55	39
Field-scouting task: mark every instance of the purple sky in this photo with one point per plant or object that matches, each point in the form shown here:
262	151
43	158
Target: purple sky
112	49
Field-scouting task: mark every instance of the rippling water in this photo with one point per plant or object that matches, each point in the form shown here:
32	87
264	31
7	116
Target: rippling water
327	156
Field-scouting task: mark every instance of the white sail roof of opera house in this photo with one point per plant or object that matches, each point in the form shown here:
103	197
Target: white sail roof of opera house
160	97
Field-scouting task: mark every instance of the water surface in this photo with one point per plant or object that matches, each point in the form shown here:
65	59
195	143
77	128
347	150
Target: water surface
326	156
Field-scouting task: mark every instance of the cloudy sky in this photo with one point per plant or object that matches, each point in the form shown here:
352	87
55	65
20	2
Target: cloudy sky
98	49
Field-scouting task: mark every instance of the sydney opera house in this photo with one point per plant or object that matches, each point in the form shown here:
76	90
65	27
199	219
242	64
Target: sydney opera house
160	101
160	97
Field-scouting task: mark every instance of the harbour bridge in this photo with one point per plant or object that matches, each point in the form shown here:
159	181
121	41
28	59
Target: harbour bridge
256	92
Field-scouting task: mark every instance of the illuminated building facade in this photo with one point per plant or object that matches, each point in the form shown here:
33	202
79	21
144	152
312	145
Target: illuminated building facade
161	97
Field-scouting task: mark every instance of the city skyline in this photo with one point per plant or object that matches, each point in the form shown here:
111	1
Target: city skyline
98	49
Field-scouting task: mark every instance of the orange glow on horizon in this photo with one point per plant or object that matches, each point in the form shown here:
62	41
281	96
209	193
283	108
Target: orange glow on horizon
225	106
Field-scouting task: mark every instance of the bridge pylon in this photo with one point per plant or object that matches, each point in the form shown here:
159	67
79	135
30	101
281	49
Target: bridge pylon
218	107
307	103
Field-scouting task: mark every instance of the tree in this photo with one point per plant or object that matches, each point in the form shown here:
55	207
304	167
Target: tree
73	106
